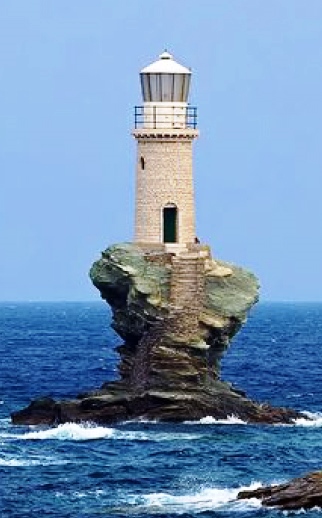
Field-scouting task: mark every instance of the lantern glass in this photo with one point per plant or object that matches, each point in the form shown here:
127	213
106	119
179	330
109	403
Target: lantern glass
162	87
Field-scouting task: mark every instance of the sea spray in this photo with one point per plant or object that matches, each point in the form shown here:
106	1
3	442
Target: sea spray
90	432
207	499
230	420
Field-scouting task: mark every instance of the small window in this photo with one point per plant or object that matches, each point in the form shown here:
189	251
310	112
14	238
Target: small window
142	163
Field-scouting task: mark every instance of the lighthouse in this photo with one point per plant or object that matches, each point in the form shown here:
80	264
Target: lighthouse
165	128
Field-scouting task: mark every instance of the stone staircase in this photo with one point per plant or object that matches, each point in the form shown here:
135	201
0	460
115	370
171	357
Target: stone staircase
139	376
182	321
186	294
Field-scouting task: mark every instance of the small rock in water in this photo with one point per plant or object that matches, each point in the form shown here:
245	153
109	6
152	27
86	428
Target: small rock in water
300	493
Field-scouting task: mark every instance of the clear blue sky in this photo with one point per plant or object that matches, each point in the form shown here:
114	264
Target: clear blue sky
68	84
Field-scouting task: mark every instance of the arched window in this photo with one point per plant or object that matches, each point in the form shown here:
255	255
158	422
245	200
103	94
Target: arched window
142	163
170	223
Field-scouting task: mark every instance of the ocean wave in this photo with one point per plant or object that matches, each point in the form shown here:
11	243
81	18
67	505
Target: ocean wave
314	419
311	419
303	511
16	462
97	493
207	499
232	419
70	432
141	420
90	432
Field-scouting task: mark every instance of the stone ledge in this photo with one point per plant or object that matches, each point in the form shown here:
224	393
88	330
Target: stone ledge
165	133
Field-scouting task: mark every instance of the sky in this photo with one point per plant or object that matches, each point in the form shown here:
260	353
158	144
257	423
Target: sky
69	81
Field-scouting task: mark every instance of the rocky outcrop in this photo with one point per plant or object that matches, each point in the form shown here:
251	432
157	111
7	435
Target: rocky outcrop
299	493
176	315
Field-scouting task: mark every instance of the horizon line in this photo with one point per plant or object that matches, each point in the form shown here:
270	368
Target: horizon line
92	301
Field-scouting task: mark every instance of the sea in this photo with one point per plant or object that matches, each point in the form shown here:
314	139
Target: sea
147	469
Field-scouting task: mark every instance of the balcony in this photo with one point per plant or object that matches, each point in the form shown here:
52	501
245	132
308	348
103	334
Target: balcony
167	117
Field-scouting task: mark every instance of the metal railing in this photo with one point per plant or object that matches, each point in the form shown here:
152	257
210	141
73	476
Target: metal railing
153	117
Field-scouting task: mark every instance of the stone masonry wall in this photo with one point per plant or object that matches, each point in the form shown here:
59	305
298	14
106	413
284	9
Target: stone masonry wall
166	178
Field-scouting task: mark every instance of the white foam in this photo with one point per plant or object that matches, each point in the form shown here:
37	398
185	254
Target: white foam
205	500
157	436
47	461
70	432
83	494
311	419
89	432
232	419
314	419
302	511
141	420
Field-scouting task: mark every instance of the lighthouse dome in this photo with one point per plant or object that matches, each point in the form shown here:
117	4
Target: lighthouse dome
165	80
165	65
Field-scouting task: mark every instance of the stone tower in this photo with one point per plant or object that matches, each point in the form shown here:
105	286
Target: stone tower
165	127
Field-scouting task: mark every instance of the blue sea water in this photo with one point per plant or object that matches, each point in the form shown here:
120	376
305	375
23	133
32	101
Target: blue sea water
145	469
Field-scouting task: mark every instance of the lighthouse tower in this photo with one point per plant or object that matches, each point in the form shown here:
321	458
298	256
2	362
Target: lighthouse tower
165	128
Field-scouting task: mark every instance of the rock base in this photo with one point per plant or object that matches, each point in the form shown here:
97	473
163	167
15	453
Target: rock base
176	314
299	493
113	404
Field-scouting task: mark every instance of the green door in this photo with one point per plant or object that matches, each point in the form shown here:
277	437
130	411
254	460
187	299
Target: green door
170	224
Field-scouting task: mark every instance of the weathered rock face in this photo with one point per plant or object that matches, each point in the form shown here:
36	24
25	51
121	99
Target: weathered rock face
299	493
176	315
196	314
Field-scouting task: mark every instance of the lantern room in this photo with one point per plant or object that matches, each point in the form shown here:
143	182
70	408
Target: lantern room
165	81
165	89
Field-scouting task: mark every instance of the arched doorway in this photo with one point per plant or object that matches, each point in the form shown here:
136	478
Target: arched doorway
170	223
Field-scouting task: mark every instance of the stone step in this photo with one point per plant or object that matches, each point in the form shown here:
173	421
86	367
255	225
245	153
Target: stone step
186	294
188	264
186	271
186	278
190	294
186	275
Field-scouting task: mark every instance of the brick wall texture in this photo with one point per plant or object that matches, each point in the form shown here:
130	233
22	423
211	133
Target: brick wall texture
166	178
